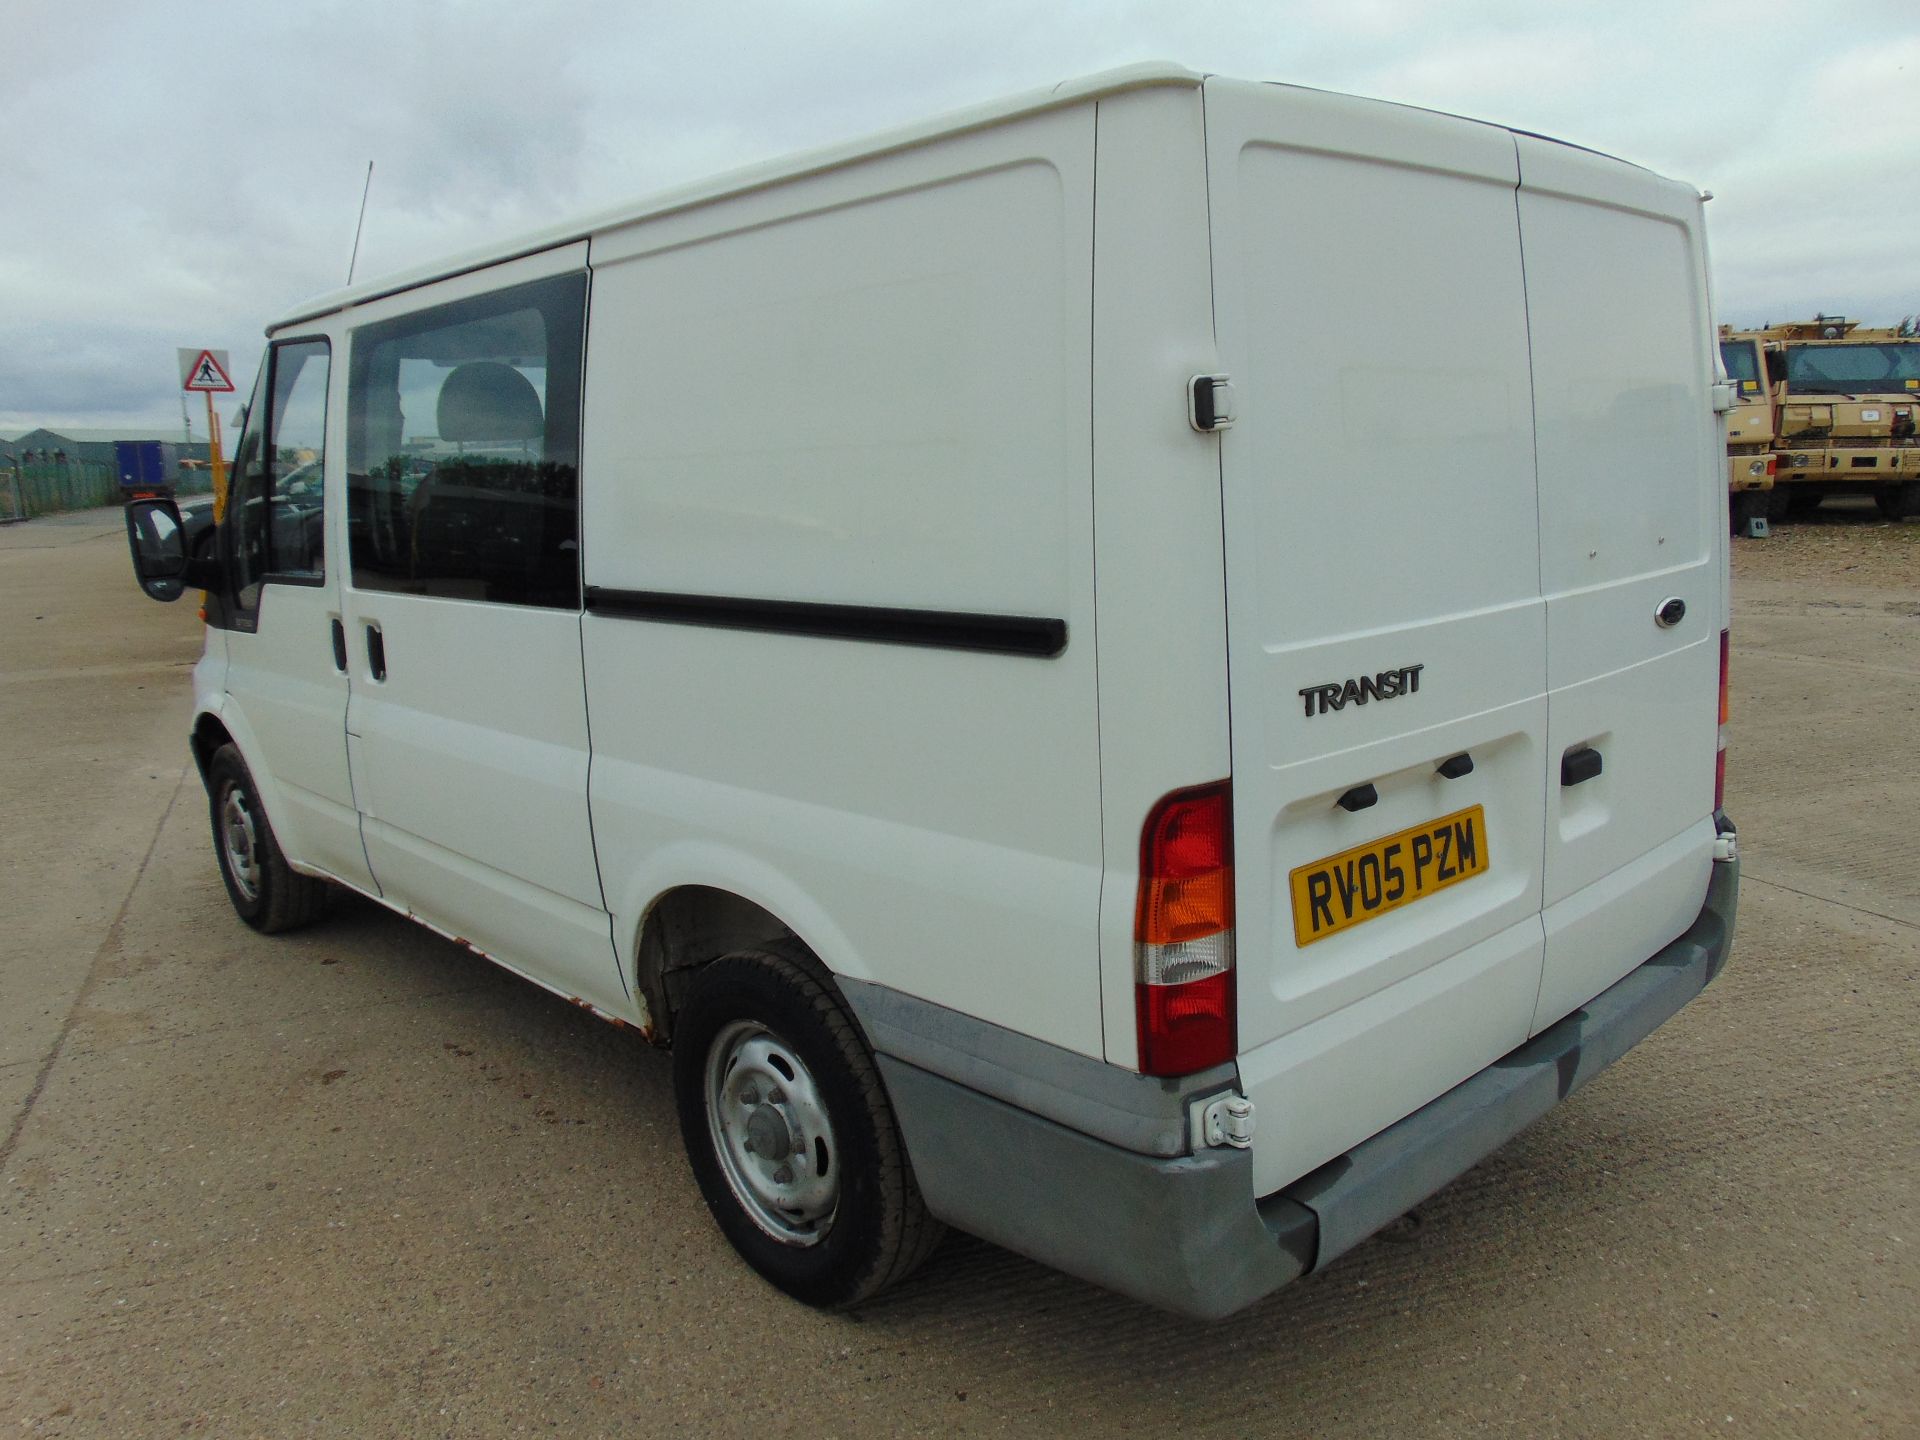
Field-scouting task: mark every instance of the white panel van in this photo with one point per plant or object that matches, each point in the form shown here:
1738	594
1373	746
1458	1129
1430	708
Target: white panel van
1097	668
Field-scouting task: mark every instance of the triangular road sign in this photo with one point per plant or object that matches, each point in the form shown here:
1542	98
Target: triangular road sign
208	373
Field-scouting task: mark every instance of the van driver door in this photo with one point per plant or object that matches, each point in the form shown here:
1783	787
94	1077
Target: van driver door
287	680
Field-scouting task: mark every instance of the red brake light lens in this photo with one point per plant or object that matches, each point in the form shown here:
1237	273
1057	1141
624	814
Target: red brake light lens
1186	868
1185	1028
1183	933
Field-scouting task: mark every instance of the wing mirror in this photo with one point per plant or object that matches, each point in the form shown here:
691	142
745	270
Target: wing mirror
169	554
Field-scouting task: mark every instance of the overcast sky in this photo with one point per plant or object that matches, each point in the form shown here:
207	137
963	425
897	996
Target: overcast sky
176	174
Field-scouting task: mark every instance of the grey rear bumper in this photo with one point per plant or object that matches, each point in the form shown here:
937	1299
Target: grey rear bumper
1186	1232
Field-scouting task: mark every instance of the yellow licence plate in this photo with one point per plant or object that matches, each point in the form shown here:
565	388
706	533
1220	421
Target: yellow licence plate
1367	881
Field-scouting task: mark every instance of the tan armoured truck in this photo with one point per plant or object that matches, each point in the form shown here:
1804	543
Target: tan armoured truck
1750	431
1845	401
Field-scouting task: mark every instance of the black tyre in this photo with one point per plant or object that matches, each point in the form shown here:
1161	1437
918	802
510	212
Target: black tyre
1897	502
790	1133
1745	506
266	892
1779	503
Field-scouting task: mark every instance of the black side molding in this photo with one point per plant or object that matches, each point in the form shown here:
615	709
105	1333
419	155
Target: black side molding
1028	635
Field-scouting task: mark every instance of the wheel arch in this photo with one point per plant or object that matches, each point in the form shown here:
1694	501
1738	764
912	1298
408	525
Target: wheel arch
700	906
686	928
208	735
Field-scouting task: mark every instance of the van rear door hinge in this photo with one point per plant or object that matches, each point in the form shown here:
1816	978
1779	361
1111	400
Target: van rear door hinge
1222	1120
1210	403
1725	396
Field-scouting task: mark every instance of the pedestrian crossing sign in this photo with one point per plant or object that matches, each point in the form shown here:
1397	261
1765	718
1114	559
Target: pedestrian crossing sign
205	370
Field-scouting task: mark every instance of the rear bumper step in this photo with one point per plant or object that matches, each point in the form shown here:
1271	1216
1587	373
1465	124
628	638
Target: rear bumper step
1185	1233
1382	1178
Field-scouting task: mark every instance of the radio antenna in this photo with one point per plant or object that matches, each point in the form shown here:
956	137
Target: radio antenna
360	224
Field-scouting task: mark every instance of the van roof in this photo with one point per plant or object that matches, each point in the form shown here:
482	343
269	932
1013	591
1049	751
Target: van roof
754	177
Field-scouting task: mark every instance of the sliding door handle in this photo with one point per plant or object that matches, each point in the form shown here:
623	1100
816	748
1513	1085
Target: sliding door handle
339	646
376	653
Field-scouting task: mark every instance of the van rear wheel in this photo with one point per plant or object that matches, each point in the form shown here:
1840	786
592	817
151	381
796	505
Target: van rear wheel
266	892
790	1133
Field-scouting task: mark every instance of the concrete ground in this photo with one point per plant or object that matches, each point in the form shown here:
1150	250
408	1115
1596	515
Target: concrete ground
355	1181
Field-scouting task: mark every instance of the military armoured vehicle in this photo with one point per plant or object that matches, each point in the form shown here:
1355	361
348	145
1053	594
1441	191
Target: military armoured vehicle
1844	402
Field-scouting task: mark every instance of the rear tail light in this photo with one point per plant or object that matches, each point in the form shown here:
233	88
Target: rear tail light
1720	751
1183	933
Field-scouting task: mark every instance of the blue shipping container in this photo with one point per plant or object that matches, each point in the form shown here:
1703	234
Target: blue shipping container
144	464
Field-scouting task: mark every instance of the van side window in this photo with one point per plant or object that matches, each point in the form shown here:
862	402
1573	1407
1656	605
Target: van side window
277	504
463	442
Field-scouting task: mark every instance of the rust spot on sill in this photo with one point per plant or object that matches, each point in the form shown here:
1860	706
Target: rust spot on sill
598	1013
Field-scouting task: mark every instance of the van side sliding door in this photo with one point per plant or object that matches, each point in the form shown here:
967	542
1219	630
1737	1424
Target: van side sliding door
468	727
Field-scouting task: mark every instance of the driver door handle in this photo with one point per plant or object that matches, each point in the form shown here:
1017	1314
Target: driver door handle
339	646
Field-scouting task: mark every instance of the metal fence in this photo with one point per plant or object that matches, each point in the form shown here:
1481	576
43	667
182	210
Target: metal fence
47	487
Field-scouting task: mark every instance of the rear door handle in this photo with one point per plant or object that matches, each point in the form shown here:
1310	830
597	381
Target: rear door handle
376	653
1580	764
339	646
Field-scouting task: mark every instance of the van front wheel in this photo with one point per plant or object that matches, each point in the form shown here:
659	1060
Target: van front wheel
789	1131
266	892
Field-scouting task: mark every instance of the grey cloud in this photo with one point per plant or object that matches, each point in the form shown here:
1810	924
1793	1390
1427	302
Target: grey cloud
148	208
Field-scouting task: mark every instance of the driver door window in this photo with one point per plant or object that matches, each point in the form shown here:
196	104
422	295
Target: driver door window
278	506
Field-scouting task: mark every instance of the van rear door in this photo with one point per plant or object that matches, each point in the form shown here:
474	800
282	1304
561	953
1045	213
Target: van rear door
1632	525
1387	638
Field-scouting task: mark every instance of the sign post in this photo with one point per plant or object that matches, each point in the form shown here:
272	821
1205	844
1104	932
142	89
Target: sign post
209	372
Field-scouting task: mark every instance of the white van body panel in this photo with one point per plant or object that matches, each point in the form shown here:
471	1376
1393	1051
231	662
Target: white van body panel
866	388
286	709
1380	514
1616	288
1162	645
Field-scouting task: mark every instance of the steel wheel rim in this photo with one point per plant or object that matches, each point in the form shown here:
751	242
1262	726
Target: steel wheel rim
771	1134
240	843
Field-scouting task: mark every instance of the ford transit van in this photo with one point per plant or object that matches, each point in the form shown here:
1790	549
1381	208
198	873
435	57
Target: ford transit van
1140	672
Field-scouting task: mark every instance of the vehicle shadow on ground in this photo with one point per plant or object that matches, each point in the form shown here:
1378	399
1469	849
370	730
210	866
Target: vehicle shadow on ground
975	1295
